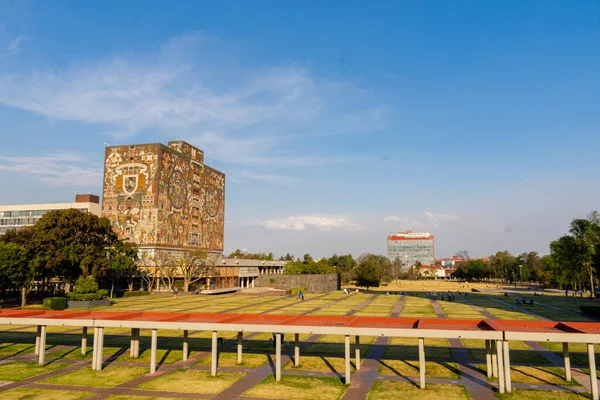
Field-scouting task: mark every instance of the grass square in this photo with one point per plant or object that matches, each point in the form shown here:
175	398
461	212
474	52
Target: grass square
385	390
523	394
108	377
322	364
411	369
191	381
19	370
230	360
293	387
42	394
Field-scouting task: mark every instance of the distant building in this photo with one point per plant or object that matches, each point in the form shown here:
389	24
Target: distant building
18	216
455	261
164	197
411	248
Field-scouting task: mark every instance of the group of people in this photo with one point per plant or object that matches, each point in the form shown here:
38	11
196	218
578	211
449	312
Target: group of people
448	296
524	301
348	291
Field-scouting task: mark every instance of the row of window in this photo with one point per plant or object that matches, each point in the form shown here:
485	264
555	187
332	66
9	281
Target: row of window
27	213
17	221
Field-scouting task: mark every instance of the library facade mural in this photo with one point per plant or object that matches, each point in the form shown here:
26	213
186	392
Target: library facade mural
164	196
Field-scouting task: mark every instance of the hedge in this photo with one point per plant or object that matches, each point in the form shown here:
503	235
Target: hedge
99	295
592	311
136	294
55	303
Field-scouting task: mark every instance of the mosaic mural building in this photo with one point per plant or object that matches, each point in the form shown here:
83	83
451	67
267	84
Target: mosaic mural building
165	197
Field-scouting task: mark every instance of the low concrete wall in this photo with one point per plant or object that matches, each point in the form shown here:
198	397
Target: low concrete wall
312	283
88	304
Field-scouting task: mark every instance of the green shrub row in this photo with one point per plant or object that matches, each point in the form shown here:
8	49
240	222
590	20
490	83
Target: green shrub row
55	303
99	295
136	294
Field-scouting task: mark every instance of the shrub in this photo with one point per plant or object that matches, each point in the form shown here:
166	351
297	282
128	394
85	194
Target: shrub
294	291
592	311
55	303
85	284
271	281
99	295
135	294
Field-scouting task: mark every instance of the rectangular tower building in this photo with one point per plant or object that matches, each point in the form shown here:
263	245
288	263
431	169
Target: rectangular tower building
411	248
164	197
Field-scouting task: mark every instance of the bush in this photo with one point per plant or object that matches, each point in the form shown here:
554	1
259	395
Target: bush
136	294
55	303
85	284
592	311
294	291
99	295
271	281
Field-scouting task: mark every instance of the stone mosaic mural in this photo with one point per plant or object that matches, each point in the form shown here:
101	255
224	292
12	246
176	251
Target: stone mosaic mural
164	195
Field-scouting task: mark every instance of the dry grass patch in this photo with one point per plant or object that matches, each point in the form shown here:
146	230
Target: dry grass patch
322	364
411	368
298	388
108	377
42	394
190	381
230	360
385	390
341	338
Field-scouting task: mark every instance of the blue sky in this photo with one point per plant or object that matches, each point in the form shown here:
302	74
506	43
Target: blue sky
336	122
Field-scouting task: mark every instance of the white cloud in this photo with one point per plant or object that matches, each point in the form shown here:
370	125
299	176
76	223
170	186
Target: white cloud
61	170
301	223
437	217
391	218
14	47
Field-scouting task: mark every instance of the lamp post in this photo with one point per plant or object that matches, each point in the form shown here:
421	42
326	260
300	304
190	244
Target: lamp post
521	272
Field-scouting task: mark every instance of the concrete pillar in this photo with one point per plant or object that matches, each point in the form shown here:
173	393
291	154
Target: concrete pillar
84	340
213	363
153	351
296	350
95	349
185	345
240	336
100	349
501	381
488	358
136	352
208	283
494	359
38	333
422	362
567	359
347	359
593	376
278	357
42	348
252	279
132	344
506	356
357	352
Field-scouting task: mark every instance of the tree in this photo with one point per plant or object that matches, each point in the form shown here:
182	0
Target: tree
74	243
307	258
462	254
26	239
586	237
194	266
565	264
15	270
123	257
368	271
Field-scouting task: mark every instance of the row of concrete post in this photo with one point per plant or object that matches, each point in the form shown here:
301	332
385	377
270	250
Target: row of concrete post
497	355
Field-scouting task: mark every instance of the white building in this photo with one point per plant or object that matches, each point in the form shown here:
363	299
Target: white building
411	248
18	216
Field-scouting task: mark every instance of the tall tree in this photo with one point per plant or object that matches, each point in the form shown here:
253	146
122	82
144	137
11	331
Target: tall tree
15	271
122	264
194	266
586	239
368	271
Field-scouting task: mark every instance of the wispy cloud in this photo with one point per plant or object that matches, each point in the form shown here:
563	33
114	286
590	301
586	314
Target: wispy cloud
14	47
61	170
237	115
300	223
273	179
435	217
